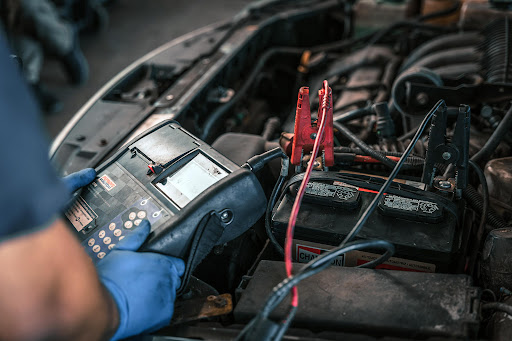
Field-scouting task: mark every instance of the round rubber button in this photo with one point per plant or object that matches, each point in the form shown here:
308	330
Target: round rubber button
111	246
112	226
137	222
107	240
141	214
96	248
117	232
101	234
91	242
132	216
101	255
128	224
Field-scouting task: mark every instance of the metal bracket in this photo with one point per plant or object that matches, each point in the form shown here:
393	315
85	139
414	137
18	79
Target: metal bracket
425	95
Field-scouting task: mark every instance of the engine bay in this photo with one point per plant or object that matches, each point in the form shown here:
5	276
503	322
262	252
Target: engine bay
426	85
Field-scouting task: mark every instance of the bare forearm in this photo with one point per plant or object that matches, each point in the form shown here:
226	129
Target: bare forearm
51	290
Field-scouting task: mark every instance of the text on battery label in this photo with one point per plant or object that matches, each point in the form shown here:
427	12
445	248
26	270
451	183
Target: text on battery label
327	190
408	204
306	253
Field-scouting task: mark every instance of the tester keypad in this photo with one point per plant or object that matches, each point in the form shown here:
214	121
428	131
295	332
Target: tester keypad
104	239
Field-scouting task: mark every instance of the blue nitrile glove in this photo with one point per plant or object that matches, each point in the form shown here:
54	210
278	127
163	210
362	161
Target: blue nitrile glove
79	179
143	284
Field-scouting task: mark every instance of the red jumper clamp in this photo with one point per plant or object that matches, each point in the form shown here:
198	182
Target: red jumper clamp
306	131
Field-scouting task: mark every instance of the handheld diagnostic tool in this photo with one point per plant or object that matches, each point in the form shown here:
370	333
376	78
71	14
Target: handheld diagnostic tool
193	196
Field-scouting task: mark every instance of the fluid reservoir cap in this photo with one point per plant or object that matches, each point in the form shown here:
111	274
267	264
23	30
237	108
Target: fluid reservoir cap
411	209
332	194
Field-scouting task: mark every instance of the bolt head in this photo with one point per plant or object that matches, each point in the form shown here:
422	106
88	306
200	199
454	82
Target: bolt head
486	111
169	97
446	156
422	98
226	216
220	302
445	184
313	136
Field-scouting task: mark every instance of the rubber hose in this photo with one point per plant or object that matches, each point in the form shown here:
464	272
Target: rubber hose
502	307
476	202
348	159
366	149
483	155
456	70
440	44
448	57
413	159
353	114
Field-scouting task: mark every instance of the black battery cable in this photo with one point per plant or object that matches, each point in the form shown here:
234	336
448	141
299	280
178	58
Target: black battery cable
268	213
255	164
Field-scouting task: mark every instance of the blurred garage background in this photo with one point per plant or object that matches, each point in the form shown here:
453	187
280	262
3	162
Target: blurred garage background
134	28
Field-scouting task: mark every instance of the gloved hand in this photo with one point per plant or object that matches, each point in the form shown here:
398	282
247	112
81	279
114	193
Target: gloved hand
79	179
143	284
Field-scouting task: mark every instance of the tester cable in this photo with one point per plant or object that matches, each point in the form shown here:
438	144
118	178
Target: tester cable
302	189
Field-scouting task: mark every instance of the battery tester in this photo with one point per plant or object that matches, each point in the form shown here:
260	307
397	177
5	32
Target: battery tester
194	197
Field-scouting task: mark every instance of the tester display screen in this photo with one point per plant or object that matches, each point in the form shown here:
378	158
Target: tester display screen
190	180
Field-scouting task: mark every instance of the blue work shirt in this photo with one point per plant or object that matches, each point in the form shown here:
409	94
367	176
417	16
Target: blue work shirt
31	195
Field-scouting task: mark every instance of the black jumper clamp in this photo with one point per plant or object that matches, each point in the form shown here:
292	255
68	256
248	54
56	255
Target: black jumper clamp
452	153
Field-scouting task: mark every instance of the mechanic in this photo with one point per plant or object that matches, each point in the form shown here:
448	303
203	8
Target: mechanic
49	288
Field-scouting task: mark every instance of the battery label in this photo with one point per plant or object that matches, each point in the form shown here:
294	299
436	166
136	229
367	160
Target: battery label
394	263
408	204
410	208
327	190
306	251
332	195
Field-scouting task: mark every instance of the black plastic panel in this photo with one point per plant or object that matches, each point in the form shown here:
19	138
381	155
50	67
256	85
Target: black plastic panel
377	302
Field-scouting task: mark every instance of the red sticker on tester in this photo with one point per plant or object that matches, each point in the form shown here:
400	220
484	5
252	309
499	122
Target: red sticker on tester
106	182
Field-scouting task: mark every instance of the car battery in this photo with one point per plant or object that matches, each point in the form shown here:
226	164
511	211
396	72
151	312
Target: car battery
424	226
